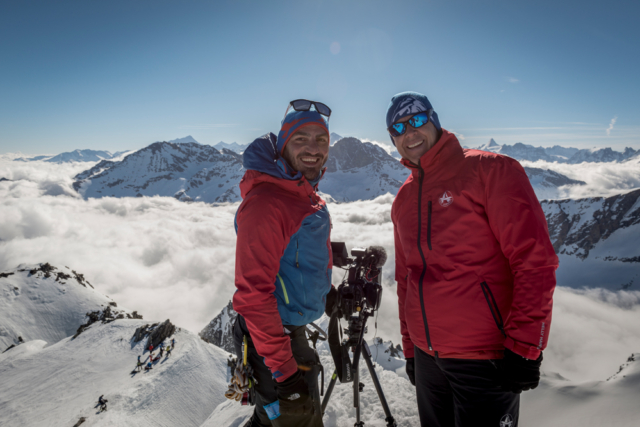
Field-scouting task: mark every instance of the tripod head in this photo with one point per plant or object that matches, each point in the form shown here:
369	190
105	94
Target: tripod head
360	292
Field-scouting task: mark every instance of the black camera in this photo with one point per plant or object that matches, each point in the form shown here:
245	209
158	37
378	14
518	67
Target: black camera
361	289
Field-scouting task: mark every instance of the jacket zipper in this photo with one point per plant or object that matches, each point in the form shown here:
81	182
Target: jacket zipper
497	317
429	226
284	289
297	248
424	261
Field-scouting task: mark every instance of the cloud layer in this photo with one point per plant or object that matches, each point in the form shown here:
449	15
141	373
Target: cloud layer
603	179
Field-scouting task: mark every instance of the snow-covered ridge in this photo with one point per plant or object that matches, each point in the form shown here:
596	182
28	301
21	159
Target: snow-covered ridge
75	156
42	302
234	146
596	240
186	171
520	151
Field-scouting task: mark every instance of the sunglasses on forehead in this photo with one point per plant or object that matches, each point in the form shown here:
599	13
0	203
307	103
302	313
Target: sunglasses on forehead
305	105
416	121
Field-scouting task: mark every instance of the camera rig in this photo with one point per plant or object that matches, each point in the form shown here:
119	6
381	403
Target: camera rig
358	297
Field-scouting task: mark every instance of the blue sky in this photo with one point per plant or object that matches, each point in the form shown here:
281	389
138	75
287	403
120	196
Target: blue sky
122	74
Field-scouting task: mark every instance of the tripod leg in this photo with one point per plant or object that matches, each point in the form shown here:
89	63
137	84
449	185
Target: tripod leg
367	357
332	384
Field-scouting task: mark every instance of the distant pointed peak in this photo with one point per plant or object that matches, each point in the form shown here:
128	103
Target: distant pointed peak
187	139
492	143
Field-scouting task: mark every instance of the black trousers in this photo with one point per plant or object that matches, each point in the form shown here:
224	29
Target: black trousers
266	386
462	393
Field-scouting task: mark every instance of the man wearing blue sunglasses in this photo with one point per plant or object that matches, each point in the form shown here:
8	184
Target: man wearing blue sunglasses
475	270
283	265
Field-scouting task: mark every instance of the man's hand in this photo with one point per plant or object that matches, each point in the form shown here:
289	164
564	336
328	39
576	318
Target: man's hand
411	373
518	373
294	397
332	296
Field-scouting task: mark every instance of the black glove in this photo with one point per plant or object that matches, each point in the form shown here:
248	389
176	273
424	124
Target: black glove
294	397
517	373
411	372
332	296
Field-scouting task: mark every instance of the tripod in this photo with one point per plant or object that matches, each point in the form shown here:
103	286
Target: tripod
355	332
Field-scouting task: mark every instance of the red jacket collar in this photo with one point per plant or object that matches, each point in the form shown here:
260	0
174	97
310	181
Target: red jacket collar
442	160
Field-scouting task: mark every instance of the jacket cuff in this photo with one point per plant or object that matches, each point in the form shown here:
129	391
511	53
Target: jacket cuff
283	372
526	351
408	351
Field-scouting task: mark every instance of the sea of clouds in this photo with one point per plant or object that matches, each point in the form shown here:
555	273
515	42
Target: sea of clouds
169	259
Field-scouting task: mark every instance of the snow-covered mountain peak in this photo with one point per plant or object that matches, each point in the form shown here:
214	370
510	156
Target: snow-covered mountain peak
492	143
187	171
234	146
186	139
334	137
219	331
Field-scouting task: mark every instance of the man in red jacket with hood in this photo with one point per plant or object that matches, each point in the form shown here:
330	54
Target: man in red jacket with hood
283	265
475	270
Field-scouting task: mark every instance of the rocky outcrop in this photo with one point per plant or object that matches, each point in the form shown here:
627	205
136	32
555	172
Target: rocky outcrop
219	331
634	358
157	333
576	226
160	333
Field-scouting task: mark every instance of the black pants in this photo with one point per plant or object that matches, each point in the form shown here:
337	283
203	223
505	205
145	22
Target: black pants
266	386
462	393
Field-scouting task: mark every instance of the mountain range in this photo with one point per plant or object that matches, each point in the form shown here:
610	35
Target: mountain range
520	151
191	171
75	156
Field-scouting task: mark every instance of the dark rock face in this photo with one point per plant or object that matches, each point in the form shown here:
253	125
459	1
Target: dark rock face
163	331
351	153
576	226
3	275
157	333
396	351
220	330
142	332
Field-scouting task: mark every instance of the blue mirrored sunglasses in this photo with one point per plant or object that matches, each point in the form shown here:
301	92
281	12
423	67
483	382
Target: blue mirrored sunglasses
416	121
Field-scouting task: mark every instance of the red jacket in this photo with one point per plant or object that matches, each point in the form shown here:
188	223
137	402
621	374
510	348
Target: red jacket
283	255
474	263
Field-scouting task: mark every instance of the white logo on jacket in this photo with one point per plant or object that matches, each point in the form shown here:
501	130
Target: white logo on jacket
506	421
446	199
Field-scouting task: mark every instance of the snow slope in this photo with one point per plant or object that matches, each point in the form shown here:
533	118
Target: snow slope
59	384
53	379
36	307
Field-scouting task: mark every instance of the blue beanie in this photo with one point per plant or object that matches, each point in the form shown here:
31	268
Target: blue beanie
294	120
406	103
